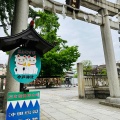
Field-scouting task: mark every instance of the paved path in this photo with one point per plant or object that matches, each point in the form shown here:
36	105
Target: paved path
63	104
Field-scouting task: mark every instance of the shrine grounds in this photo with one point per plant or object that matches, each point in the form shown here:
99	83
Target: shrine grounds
63	104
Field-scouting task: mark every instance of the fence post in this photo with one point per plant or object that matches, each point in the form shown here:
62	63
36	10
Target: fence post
81	82
1	82
93	81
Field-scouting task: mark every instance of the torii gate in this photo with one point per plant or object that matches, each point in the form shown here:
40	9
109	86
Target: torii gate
103	7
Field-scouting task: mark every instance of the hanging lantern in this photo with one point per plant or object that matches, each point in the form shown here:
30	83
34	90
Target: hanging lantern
73	3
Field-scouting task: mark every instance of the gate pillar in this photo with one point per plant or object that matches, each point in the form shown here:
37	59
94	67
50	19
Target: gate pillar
109	57
81	86
19	24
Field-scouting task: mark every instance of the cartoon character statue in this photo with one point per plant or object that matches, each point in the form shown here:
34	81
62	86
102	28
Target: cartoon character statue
25	64
31	65
20	62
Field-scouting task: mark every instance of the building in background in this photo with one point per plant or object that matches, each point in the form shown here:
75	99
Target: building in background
3	69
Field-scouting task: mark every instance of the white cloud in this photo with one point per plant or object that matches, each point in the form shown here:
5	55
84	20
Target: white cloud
84	35
88	37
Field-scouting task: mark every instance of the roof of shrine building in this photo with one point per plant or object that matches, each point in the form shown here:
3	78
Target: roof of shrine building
29	38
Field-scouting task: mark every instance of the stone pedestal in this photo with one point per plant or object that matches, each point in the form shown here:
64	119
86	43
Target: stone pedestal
89	93
102	92
111	101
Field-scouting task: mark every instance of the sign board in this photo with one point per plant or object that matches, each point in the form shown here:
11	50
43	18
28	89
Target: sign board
25	65
23	106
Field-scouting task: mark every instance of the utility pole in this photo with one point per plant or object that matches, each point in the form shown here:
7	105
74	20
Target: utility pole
20	22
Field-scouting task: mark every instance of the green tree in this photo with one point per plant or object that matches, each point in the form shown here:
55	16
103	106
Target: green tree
75	75
7	12
102	71
62	56
59	58
87	66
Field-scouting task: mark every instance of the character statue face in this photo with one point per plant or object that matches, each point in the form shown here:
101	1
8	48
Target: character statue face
20	59
31	60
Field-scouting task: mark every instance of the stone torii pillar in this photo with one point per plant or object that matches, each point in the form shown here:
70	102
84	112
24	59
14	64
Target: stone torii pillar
109	58
20	23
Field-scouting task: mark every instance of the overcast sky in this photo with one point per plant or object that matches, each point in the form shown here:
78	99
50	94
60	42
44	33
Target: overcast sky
85	35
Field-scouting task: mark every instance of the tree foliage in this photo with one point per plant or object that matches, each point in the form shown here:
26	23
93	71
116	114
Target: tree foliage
62	56
87	66
53	63
101	71
59	58
6	13
96	70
